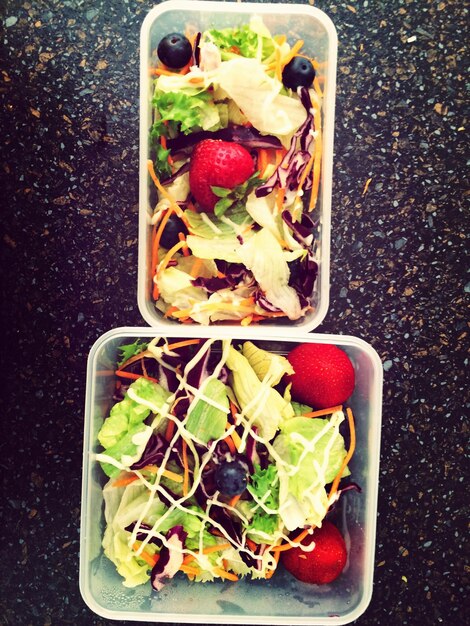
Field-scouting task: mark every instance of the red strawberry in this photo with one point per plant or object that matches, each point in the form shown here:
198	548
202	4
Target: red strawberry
217	163
324	563
324	375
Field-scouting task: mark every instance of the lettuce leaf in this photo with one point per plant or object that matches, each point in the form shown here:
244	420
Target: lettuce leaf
206	419
208	226
259	402
123	434
225	248
250	40
266	364
264	484
271	112
263	255
183	112
312	451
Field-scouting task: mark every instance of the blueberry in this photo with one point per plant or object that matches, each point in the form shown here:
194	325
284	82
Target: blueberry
231	478
169	236
298	73
174	50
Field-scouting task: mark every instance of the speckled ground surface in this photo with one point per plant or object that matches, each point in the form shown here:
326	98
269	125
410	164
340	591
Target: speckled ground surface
69	153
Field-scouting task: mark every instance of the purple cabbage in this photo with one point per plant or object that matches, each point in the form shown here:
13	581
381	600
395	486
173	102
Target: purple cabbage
153	453
302	231
141	536
170	559
289	172
246	136
234	274
303	274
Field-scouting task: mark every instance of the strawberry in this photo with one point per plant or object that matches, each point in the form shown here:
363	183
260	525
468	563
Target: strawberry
323	375
217	163
324	563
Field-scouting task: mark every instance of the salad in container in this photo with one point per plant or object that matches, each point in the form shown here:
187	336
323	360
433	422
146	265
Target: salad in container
243	463
234	217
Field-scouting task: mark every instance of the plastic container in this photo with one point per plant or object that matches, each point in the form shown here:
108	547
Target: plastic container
297	22
281	600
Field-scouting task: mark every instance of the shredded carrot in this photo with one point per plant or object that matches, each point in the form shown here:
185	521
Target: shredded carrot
229	441
209	550
133	376
185	468
233	501
280	39
279	155
347	458
333	409
251	544
293	51
127	480
196	268
280	199
134	359
166	259
224	574
187	569
221	275
182	344
182	238
159	71
170	429
307	170
150	559
158	235
153	469
170	311
163	191
262	161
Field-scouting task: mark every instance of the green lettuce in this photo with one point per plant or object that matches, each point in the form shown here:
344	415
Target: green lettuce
311	452
266	364
208	226
259	402
250	40
263	255
207	418
184	112
263	482
123	434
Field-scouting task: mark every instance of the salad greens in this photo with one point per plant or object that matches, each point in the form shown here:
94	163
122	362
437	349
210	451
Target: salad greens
172	451
261	235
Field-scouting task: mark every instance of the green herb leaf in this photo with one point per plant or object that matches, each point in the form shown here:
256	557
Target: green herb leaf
131	349
235	197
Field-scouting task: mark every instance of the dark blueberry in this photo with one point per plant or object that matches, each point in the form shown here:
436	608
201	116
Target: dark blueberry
298	73
169	236
174	51
231	478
